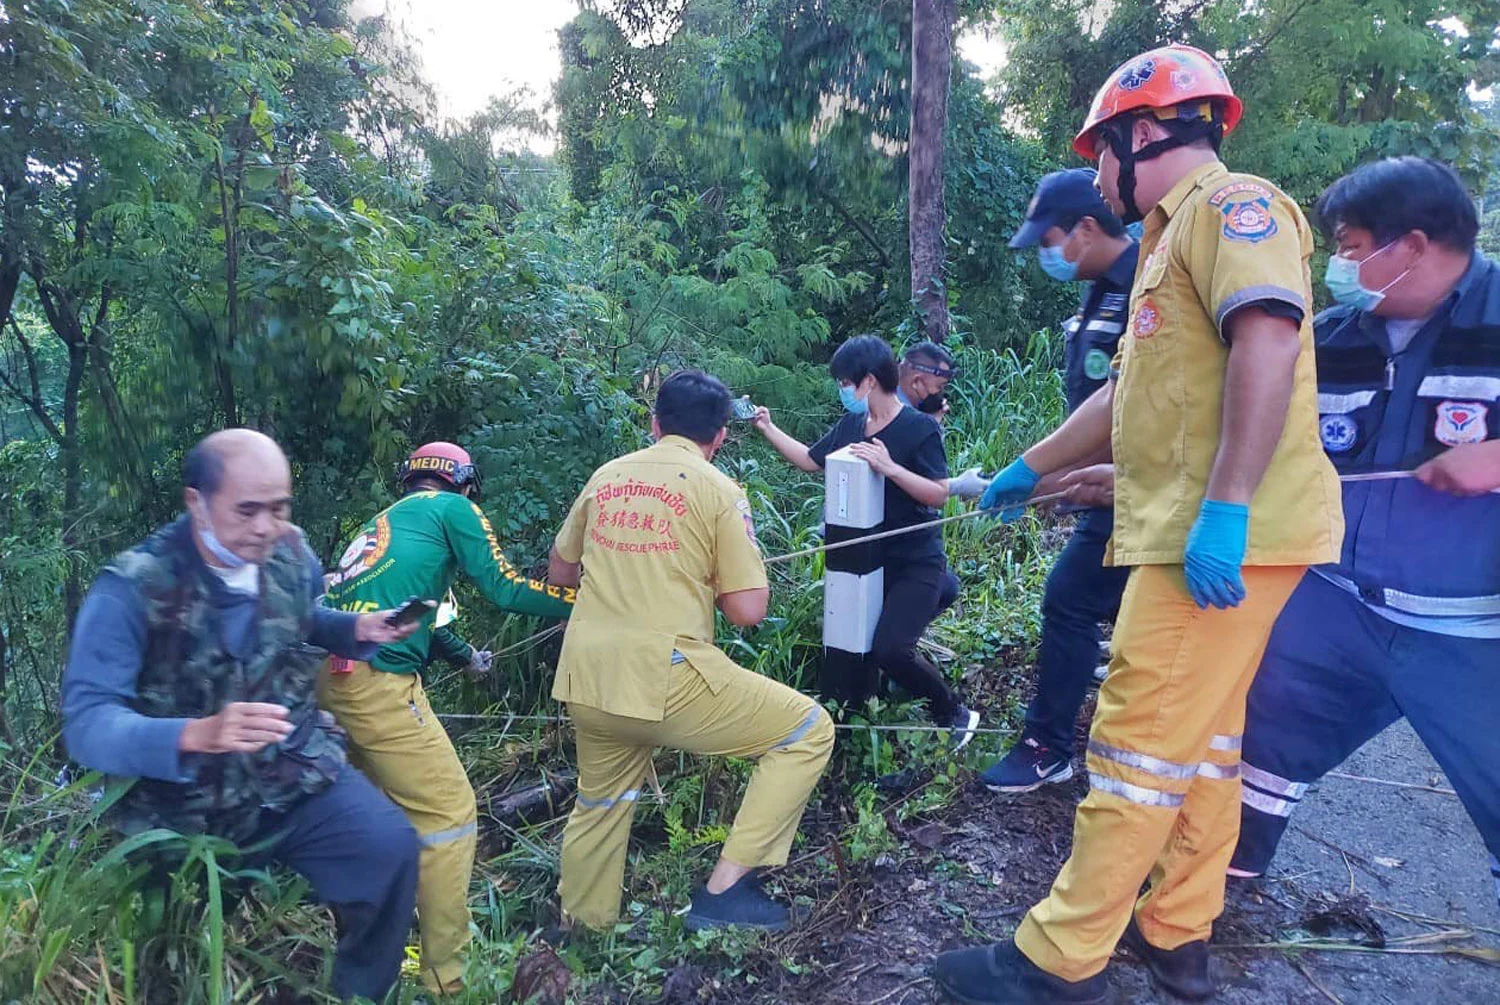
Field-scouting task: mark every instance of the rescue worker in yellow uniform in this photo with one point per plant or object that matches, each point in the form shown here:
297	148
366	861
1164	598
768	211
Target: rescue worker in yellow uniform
660	537
415	548
1223	497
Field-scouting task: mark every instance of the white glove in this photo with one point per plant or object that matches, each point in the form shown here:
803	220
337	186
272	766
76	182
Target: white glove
969	485
480	661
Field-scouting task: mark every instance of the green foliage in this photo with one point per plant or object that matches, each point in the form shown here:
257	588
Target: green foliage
242	212
1326	85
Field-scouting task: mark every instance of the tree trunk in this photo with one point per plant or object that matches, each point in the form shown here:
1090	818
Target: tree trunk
61	310
931	68
72	514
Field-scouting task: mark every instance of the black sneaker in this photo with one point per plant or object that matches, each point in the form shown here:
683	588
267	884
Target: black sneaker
964	722
1028	766
1182	971
1001	975
744	904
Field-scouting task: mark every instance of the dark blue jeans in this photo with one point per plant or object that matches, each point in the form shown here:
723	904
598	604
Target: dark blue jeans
1081	592
1334	674
360	855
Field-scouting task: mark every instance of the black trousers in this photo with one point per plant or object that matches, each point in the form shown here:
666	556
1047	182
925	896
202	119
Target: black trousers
915	594
360	855
1081	592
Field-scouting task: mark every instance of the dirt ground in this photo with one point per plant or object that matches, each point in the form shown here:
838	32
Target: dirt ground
1358	852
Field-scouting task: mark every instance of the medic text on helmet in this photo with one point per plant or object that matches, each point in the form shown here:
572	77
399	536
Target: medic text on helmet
437	465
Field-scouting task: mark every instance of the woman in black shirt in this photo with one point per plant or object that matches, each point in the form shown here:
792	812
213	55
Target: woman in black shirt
906	447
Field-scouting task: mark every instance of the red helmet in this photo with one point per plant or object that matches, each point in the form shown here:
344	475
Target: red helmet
1176	77
440	459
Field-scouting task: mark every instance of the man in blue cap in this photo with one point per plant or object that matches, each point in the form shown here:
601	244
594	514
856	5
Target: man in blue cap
1077	237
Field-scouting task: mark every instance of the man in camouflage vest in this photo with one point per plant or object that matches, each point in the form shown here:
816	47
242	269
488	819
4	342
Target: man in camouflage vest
193	672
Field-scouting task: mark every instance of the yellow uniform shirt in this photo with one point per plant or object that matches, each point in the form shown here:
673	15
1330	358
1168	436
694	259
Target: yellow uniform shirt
661	533
1216	242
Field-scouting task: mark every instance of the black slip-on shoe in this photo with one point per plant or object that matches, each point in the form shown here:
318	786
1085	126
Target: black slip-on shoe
744	905
1000	974
1182	971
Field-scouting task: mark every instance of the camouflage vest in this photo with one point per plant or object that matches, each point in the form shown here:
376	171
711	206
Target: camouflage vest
186	672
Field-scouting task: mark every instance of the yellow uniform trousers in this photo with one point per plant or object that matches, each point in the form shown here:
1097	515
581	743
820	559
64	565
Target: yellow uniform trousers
398	743
749	716
1163	761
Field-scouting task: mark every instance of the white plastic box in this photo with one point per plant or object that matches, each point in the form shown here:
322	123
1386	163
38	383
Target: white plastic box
854	495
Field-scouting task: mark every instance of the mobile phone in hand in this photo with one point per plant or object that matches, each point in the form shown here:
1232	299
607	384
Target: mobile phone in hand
744	408
410	611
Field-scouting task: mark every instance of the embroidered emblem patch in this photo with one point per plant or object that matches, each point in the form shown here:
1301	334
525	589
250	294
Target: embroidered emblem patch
1246	208
1096	364
1338	432
1147	320
1461	422
1134	76
364	552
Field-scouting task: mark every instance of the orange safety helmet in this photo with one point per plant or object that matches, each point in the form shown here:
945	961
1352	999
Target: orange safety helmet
440	459
1176	84
1174	77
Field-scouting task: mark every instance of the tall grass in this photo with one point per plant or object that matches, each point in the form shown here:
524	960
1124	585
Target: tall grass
85	917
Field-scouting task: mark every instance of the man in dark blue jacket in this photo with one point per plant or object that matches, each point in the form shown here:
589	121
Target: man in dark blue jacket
1078	237
1408	622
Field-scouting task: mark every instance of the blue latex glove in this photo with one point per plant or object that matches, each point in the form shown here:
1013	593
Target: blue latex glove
1215	551
1009	488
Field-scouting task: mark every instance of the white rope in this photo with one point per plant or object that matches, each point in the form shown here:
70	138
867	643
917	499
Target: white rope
536	639
1034	501
1366	476
912	727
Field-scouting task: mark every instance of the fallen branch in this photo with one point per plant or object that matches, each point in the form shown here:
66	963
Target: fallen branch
1364	863
1481	954
1302	969
1395	785
905	987
1424	919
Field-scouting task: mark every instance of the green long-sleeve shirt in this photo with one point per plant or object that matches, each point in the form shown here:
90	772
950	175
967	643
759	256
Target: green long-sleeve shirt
449	646
416	548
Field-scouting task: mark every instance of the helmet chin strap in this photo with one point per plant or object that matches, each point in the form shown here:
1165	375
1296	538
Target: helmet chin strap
1117	135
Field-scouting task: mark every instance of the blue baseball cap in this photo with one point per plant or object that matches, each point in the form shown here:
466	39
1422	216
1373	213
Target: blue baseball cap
1062	199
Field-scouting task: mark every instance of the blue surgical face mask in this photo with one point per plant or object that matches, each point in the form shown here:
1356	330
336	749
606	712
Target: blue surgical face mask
1056	264
858	406
1342	280
216	547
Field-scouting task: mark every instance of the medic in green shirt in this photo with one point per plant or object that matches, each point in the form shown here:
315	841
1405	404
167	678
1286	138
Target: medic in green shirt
416	548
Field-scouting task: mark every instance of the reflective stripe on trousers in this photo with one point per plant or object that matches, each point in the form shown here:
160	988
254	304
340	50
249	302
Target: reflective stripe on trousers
1270	793
1169	771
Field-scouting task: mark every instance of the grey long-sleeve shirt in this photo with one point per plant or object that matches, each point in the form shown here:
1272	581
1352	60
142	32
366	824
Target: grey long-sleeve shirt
101	729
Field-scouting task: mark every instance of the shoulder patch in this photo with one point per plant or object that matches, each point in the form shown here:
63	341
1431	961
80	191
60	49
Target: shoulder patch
1246	209
743	505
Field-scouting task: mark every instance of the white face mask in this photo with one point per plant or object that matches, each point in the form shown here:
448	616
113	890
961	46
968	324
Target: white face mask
211	542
